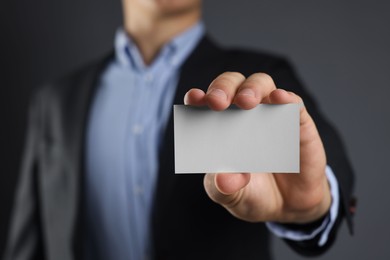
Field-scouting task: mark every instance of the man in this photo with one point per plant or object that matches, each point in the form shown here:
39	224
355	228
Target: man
97	179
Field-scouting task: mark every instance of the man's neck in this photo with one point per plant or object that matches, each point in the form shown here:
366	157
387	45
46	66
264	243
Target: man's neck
152	33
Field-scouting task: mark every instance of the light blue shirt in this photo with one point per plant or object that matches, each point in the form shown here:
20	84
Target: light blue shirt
128	116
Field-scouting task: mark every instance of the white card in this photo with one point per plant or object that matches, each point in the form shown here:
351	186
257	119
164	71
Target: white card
263	139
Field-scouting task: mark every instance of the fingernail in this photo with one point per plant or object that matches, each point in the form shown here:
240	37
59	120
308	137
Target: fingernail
218	93
247	92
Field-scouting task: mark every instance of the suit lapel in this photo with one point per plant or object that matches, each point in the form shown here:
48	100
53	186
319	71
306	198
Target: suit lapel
84	89
202	66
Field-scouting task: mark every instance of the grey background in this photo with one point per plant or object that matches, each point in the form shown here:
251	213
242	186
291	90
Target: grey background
340	49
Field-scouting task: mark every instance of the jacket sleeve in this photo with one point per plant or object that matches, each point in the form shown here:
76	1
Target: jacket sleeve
25	236
285	78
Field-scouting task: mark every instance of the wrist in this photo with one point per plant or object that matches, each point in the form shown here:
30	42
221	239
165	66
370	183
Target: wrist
324	207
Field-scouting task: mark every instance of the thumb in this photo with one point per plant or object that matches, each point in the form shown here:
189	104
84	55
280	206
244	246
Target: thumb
225	188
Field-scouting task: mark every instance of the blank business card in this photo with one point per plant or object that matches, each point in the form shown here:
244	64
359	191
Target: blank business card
263	139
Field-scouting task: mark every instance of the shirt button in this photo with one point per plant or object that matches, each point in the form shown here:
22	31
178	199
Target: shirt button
138	190
148	77
138	129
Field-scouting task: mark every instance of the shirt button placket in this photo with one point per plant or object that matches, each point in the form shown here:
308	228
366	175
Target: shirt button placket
148	78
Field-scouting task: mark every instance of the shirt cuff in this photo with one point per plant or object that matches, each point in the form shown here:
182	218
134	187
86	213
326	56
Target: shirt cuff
326	226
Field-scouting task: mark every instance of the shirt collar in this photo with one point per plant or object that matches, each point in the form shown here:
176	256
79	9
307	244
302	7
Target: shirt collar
174	52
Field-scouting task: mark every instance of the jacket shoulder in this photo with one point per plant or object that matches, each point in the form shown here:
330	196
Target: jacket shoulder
72	82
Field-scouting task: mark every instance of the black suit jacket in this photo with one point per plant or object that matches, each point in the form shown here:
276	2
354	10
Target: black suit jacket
48	215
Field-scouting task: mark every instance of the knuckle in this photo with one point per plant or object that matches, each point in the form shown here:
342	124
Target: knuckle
230	77
227	80
233	75
264	79
223	84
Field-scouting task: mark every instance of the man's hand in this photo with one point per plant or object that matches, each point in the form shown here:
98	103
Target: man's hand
292	198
